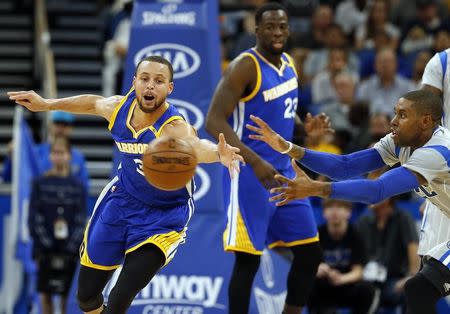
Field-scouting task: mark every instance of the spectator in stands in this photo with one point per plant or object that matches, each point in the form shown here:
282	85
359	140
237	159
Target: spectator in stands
60	126
391	238
339	280
379	125
323	91
318	59
351	14
320	21
115	50
420	63
56	223
376	21
419	33
383	89
441	40
344	84
246	38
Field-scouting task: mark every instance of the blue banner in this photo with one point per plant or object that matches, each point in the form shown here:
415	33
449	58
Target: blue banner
187	34
18	265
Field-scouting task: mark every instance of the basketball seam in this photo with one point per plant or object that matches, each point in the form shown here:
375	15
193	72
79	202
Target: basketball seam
170	151
165	171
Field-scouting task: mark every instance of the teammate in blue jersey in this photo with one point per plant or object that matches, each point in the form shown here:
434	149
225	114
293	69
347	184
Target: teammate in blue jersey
262	81
134	223
422	148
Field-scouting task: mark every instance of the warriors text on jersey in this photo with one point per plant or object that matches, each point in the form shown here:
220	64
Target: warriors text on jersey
274	99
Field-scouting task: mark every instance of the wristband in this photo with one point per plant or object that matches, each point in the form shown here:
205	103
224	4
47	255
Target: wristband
290	146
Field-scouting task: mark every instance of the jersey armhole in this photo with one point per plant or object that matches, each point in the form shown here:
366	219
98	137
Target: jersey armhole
291	63
116	110
172	118
258	79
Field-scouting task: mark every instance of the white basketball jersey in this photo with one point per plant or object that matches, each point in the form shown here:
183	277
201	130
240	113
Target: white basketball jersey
432	161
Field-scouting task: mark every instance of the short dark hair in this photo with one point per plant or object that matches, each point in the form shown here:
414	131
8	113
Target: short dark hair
157	59
328	202
271	6
425	102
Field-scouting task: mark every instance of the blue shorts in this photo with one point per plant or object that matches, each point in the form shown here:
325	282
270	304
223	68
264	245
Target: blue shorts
254	222
121	224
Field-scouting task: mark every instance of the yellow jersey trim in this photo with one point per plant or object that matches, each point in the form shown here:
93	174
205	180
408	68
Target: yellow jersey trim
172	118
258	79
280	70
148	241
85	260
99	267
294	243
164	241
291	63
150	127
116	110
230	248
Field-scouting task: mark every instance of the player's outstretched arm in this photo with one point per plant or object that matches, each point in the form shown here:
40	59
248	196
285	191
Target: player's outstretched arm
206	151
393	182
81	104
336	167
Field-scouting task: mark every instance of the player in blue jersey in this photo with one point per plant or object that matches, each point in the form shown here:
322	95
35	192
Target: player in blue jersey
422	148
262	81
134	223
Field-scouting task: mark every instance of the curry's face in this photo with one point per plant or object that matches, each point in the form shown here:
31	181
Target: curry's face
405	128
273	31
152	85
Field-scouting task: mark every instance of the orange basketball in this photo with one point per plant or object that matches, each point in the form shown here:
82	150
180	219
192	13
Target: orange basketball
169	163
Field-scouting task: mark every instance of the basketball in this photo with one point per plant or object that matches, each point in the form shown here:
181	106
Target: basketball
169	163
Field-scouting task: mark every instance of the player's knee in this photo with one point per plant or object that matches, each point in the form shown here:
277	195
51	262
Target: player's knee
88	302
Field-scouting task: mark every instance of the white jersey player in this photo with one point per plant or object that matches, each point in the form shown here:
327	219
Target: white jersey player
420	145
435	226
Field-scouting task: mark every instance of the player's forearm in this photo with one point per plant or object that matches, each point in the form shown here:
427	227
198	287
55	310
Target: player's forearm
394	182
216	127
338	167
82	104
205	150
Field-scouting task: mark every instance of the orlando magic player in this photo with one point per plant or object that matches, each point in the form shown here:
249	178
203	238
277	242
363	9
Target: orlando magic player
263	81
420	145
133	223
435	227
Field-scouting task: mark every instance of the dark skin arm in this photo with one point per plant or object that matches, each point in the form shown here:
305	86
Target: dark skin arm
237	82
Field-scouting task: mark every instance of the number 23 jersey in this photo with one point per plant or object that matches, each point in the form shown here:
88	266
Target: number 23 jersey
274	99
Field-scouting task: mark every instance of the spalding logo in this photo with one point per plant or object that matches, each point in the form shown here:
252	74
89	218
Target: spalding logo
191	113
185	61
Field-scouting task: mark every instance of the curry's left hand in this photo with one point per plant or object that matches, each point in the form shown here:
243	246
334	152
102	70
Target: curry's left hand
297	188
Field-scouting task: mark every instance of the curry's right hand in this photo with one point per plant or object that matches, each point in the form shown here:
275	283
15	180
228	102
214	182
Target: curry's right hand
265	173
29	99
265	134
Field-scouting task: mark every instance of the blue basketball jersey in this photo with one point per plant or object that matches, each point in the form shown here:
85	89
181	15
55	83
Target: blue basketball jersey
132	145
274	99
